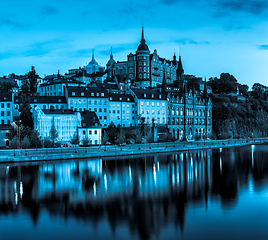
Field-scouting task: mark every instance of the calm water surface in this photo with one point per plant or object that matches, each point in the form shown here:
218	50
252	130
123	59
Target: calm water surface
208	194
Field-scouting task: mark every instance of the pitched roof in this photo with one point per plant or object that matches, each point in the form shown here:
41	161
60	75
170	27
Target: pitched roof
86	92
89	119
48	99
5	96
58	111
148	94
120	97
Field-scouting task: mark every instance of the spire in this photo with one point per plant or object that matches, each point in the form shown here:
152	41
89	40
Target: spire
93	54
174	59
142	45
142	34
164	83
111	56
205	90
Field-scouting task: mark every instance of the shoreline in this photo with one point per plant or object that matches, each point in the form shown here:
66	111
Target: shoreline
35	155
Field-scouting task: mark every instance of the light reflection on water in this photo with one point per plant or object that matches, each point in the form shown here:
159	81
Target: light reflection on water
208	194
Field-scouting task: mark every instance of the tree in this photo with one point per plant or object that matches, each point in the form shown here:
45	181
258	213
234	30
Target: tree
105	139
35	138
33	81
120	137
25	143
74	139
53	133
111	131
25	111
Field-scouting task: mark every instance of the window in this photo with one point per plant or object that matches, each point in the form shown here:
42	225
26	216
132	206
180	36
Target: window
147	103
89	132
163	111
95	109
8	105
73	93
82	94
100	102
100	109
152	111
8	121
92	94
84	132
95	132
158	104
2	122
118	105
105	117
123	105
2	105
163	104
2	113
152	104
105	109
142	103
80	102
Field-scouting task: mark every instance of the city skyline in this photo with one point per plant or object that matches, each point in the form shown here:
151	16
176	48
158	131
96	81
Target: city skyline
213	36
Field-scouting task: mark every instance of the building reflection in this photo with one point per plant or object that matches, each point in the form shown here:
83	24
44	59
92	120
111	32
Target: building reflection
143	193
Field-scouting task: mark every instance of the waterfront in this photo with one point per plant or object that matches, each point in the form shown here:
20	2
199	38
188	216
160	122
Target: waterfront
204	194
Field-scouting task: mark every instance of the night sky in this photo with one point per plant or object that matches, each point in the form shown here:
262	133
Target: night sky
213	36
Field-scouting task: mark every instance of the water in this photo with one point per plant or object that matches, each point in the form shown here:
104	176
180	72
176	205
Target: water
208	194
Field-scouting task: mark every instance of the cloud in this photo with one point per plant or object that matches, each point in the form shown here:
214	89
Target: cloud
185	41
249	6
12	23
49	10
263	47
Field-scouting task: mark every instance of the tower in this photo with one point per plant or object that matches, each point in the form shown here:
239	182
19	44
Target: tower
142	61
180	74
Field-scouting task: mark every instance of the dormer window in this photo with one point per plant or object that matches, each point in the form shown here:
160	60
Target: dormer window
152	95
144	94
127	99
160	96
82	94
73	93
35	100
111	98
97	94
92	94
84	124
120	99
59	100
102	94
5	98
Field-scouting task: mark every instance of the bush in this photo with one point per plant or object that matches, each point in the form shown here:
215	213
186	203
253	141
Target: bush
47	143
14	142
85	141
25	143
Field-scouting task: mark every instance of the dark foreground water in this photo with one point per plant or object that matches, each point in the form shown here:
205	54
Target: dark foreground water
208	194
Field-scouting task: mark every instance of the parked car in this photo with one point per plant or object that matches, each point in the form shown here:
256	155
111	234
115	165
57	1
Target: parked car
122	144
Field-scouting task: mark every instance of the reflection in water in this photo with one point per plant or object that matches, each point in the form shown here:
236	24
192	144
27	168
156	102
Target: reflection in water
145	194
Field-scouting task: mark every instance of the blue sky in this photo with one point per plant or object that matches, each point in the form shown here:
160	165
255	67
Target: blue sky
213	36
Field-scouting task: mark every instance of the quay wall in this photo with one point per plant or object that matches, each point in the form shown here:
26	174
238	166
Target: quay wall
34	155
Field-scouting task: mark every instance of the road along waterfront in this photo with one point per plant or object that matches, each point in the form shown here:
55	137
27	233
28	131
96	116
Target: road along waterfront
22	155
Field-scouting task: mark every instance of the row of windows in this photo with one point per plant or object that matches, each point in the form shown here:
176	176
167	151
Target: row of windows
3	113
152	111
93	102
190	121
189	112
118	105
152	103
5	121
3	105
